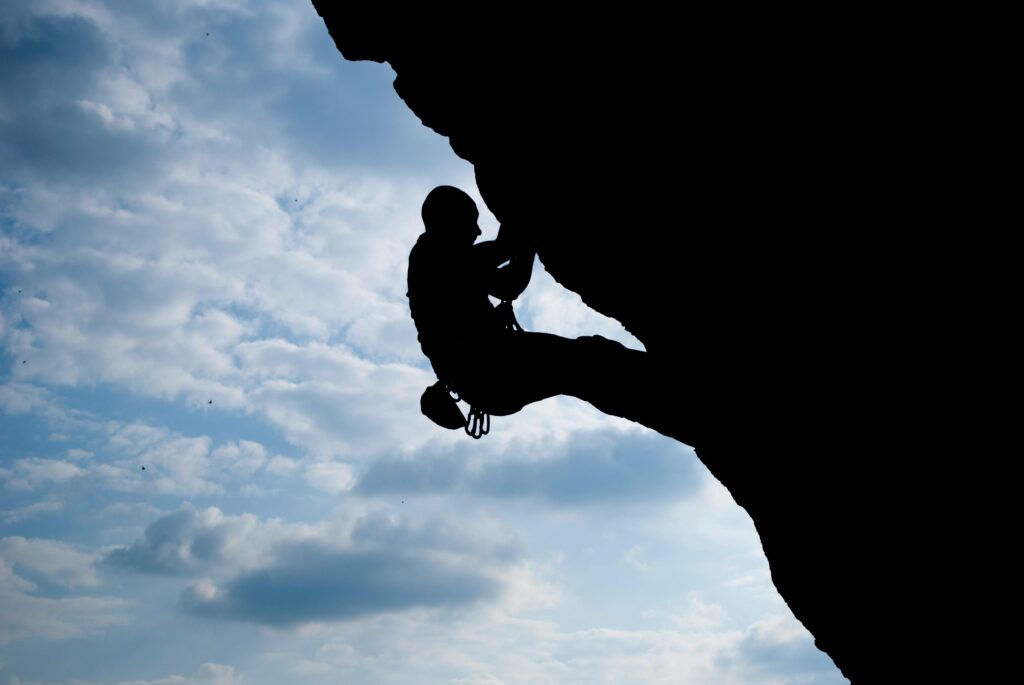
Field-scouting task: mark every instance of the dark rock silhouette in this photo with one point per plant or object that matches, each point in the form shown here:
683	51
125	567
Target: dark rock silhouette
728	187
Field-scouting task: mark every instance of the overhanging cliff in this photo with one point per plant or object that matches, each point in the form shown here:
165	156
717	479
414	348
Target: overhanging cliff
705	180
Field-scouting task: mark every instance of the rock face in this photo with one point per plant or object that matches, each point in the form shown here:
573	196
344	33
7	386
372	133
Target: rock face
725	186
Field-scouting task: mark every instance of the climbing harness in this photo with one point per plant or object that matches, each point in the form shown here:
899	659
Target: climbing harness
479	422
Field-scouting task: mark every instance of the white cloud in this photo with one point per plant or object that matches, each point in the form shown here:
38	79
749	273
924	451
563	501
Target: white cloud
478	679
140	285
363	562
191	540
243	457
282	466
250	490
331	477
230	273
21	398
32	473
57	561
174	464
696	615
180	465
24	614
632	557
357	409
207	674
491	647
30	510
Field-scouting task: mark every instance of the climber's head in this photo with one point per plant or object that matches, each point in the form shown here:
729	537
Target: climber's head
451	214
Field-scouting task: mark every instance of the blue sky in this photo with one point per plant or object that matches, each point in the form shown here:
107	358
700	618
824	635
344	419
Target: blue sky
205	215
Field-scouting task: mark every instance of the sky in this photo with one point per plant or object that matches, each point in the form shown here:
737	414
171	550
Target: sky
213	468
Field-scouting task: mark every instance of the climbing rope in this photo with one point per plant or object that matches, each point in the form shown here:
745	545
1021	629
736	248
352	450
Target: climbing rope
507	316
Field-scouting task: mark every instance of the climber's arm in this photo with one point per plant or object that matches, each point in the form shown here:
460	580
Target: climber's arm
509	281
507	263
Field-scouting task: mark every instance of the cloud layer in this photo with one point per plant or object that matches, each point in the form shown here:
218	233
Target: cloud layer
210	381
284	574
593	467
29	609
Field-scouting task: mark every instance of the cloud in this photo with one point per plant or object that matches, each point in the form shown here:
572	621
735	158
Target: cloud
23	613
207	674
779	647
243	457
496	649
282	466
32	473
174	464
311	582
54	63
188	541
227	272
196	219
20	398
57	561
282	574
331	402
484	541
330	477
191	252
30	510
194	465
142	275
598	466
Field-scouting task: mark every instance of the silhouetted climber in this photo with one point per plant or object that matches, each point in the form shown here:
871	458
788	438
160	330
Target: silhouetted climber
478	350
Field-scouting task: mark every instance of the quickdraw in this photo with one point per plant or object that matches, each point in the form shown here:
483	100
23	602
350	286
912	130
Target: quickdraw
479	423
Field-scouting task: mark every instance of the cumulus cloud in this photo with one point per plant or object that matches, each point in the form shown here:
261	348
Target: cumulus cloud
310	582
189	540
276	573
